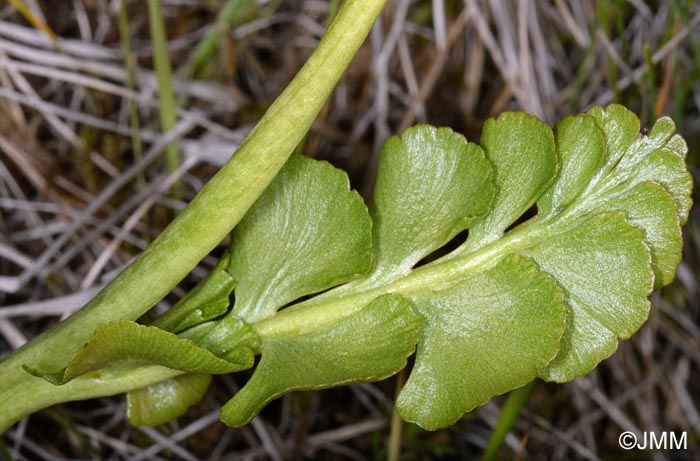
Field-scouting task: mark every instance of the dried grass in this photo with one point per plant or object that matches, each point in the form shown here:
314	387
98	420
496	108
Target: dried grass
73	210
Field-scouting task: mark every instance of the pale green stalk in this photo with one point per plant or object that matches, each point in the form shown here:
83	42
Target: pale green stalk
506	420
135	124
167	107
192	235
394	452
207	47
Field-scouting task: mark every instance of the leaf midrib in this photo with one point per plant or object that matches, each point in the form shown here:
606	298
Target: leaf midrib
442	274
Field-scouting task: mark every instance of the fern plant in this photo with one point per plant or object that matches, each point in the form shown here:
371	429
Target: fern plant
329	291
548	297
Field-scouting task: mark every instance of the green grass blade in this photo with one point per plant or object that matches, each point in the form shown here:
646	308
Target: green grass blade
509	414
134	121
166	95
35	21
229	16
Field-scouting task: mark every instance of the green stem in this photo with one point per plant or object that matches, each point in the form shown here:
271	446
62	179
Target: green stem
509	415
197	230
345	300
130	81
394	452
166	95
33	393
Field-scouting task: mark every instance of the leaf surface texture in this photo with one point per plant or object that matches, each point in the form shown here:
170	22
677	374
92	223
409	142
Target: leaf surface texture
569	230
